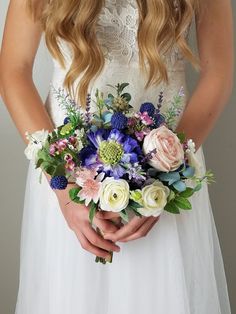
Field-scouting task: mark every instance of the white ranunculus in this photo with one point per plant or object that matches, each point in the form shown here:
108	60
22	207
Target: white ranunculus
36	142
169	153
154	199
114	195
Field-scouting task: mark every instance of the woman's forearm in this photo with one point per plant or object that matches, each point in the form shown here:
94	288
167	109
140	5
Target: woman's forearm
205	106
24	103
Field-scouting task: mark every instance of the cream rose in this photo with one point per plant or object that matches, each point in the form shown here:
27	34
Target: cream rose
169	153
114	195
154	199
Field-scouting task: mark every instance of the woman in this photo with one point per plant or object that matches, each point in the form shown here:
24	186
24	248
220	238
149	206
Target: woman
166	265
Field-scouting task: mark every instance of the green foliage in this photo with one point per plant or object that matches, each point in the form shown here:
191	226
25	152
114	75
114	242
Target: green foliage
124	215
182	202
73	194
92	211
187	193
182	137
171	207
173	111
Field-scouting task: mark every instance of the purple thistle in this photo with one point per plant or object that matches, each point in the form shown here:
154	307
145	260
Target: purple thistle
147	107
119	121
58	182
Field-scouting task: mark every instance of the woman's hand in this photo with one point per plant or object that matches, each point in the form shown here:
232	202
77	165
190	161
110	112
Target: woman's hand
77	218
137	227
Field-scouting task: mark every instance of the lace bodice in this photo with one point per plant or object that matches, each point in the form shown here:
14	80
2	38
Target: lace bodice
117	35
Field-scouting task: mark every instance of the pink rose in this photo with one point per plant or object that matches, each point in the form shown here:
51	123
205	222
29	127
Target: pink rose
169	154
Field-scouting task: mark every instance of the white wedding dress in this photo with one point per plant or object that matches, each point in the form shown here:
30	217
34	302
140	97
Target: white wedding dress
176	269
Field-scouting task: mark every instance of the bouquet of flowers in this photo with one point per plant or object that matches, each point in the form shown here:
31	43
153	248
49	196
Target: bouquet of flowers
121	160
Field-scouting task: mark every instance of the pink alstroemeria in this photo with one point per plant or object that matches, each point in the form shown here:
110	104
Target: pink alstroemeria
52	149
72	140
70	165
91	189
146	119
62	144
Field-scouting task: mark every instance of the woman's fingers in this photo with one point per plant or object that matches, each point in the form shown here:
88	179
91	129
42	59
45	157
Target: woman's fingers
98	241
86	245
106	215
127	229
105	225
142	231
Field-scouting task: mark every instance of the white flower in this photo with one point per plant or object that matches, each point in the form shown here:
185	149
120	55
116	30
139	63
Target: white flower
114	195
36	142
169	153
191	146
194	162
154	199
192	158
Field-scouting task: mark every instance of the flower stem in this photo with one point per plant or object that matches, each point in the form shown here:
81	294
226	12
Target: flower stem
101	259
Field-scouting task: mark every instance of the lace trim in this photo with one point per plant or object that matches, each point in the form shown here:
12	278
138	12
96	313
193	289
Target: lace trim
117	34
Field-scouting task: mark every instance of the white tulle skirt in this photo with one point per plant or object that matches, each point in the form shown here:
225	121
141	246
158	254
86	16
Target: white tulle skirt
176	269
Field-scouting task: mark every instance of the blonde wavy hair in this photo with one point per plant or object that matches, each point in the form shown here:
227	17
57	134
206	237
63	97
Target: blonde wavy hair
162	24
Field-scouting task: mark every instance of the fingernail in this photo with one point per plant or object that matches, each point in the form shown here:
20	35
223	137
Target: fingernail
117	249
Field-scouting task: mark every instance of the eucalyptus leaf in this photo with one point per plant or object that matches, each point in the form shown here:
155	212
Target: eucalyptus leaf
127	96
180	186
198	187
107	117
110	96
189	172
169	177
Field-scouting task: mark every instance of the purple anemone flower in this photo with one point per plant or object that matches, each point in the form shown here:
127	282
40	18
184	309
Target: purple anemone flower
109	151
